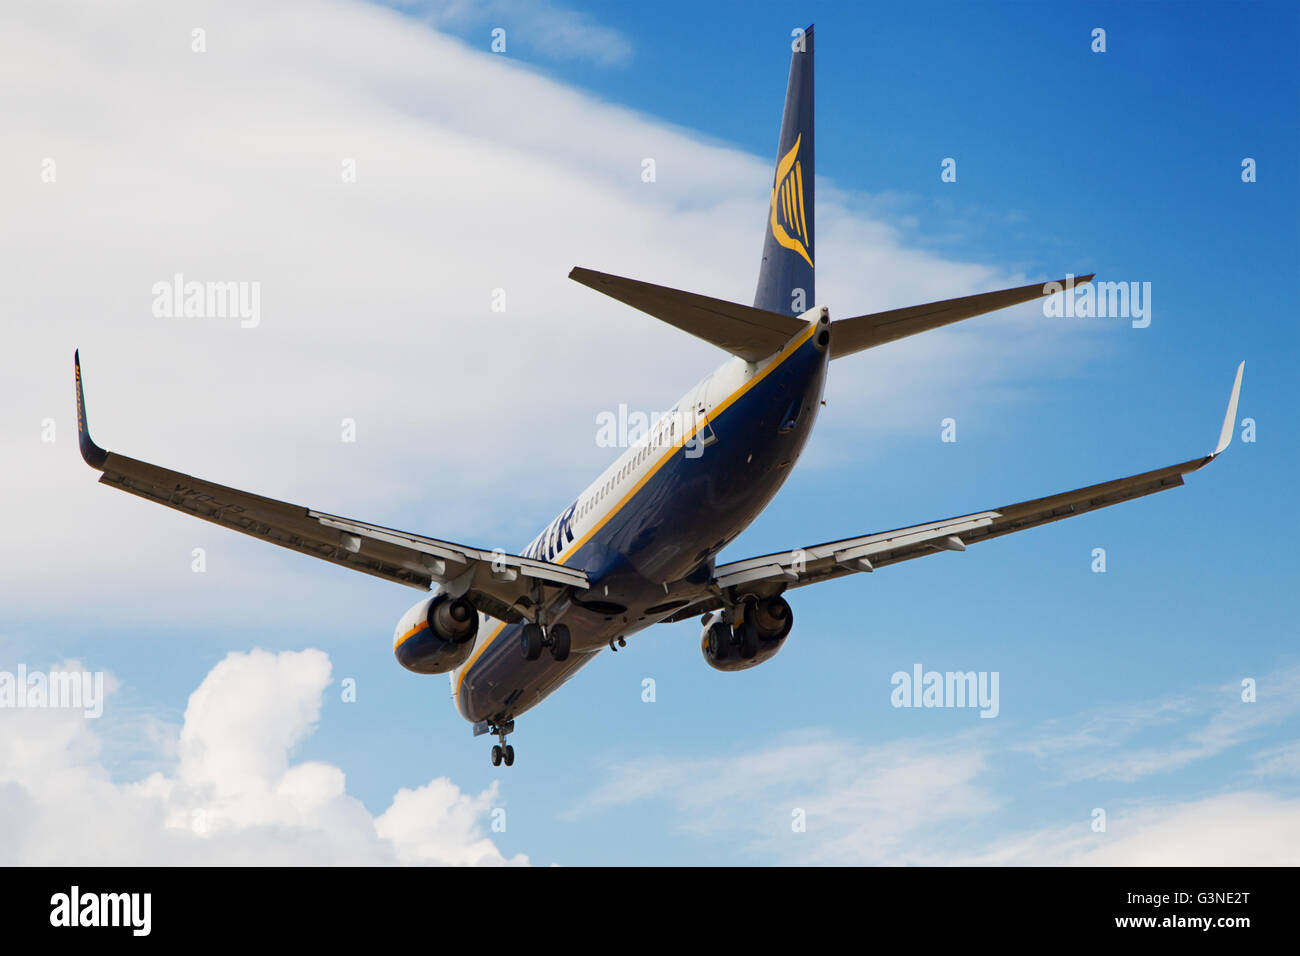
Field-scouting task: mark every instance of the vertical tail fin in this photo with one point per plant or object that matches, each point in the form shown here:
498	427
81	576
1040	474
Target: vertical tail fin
785	279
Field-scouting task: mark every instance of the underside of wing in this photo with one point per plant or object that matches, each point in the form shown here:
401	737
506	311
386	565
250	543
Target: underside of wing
506	586
773	573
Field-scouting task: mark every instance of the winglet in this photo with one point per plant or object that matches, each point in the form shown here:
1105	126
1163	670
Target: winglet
92	453
1230	419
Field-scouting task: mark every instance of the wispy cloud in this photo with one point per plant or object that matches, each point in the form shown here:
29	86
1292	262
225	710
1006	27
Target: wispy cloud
814	797
1097	745
552	30
1283	761
1245	828
944	801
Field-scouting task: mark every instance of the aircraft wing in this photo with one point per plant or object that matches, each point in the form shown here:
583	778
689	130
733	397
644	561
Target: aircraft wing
773	573
506	586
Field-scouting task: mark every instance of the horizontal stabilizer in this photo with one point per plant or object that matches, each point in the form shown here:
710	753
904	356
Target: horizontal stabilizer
742	330
868	331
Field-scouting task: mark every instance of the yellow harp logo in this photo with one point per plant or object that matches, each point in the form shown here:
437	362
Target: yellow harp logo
789	228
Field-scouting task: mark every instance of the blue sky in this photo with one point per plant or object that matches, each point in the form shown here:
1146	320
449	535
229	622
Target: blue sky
1118	690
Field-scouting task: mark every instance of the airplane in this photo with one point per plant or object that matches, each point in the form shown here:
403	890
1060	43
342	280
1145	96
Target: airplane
638	546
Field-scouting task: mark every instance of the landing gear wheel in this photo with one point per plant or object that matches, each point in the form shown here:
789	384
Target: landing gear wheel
530	642
560	643
497	755
748	635
509	756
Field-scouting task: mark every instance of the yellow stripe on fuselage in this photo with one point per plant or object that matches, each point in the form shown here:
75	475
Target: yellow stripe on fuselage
790	348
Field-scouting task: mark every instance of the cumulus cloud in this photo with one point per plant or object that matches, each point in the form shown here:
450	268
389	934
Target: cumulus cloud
234	794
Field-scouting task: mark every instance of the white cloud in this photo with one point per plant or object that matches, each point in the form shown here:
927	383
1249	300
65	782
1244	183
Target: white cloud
234	795
859	804
1283	761
1234	829
551	29
1196	727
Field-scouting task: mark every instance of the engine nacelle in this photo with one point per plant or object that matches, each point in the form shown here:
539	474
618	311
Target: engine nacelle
760	628
437	635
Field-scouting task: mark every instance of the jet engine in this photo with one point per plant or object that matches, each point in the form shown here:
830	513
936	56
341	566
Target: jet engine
437	635
758	629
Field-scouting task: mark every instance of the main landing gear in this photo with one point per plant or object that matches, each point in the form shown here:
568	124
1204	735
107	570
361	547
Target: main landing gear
503	752
532	639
